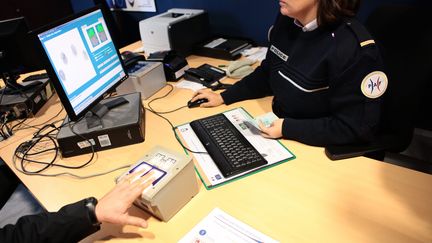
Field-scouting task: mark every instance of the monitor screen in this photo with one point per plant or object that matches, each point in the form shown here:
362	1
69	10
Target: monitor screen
17	52
84	61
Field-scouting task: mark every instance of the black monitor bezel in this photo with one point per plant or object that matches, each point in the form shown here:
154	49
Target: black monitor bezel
19	40
52	74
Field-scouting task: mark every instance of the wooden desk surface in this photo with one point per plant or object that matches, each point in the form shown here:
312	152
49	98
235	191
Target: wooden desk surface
309	199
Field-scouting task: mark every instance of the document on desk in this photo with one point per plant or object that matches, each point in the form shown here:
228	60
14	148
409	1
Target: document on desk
194	86
271	149
219	226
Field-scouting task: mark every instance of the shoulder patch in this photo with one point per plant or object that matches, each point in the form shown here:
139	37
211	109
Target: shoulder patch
374	84
367	42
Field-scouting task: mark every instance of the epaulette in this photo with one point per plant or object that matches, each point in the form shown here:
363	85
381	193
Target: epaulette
360	32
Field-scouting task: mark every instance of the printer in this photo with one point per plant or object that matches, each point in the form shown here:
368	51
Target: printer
177	29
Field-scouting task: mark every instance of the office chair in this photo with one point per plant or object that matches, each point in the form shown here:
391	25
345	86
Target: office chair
405	42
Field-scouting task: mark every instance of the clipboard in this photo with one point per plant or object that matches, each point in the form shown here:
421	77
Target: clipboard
273	150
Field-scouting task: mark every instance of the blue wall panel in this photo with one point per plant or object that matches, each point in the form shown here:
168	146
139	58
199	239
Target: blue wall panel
247	18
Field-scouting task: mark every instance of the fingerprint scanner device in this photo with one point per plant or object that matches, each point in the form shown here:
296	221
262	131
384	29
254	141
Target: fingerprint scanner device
174	182
177	29
144	77
120	126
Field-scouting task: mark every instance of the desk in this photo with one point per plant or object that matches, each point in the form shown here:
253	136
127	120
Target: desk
309	199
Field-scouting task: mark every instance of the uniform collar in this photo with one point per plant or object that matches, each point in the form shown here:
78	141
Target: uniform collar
308	27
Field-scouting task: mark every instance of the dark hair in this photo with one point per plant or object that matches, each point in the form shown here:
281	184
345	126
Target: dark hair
332	11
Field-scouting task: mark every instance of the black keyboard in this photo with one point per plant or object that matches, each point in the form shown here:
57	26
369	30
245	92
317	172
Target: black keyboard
35	77
229	149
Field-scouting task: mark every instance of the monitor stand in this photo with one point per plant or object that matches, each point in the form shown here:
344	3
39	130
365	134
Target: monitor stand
94	116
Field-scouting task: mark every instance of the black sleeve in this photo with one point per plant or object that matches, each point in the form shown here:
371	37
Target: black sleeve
354	117
253	86
70	224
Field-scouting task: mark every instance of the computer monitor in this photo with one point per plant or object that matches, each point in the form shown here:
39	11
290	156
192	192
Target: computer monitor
17	54
82	61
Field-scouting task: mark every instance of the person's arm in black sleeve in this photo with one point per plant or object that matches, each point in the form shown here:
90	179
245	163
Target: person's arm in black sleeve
74	222
354	117
252	86
71	223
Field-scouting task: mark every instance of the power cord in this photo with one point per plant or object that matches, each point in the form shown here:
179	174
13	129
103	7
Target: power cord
159	113
42	123
161	97
45	138
5	130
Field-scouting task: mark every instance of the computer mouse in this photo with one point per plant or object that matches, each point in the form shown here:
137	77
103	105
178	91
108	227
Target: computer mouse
196	103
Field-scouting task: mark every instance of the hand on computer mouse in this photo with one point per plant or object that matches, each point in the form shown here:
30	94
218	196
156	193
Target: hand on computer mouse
213	99
196	103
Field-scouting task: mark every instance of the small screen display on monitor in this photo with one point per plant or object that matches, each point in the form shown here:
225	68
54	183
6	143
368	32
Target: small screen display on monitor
84	59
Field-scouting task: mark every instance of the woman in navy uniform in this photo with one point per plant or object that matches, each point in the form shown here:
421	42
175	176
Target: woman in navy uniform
324	71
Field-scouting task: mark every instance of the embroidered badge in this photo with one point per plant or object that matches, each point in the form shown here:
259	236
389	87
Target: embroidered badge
278	53
374	84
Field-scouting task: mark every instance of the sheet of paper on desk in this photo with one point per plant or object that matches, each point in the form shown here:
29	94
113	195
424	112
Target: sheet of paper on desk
219	226
255	53
271	149
189	85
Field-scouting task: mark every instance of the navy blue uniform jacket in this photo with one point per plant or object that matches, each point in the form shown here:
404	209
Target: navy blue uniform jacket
315	78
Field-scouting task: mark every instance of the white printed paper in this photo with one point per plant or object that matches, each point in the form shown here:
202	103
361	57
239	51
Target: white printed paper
135	5
190	85
219	226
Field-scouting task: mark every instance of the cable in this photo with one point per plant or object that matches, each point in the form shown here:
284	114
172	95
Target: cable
8	132
175	134
43	123
19	123
70	174
25	151
161	97
158	113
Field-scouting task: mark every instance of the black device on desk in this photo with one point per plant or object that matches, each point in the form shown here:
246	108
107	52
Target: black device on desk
207	75
35	77
223	48
174	64
17	55
229	149
130	58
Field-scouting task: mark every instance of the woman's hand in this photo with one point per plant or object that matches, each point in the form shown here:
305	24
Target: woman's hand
214	99
273	131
